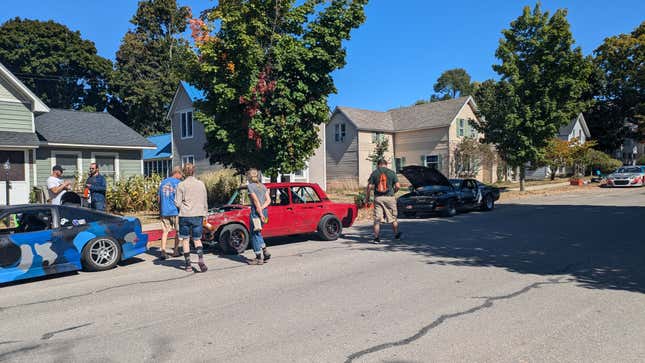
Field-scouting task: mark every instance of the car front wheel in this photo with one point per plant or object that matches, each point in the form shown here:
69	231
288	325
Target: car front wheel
330	228
488	203
451	209
234	239
100	254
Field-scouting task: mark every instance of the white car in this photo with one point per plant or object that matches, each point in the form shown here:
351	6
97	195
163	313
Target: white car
627	176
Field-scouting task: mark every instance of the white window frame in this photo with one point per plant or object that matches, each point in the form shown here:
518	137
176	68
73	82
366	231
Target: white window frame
185	157
79	160
340	132
438	162
377	136
117	169
182	124
461	127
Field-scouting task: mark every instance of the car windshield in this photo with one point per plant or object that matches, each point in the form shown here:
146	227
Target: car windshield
629	170
240	197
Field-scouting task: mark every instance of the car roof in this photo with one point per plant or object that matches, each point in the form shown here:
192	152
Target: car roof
286	184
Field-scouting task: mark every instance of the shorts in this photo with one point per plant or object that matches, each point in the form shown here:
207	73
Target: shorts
385	209
168	223
190	227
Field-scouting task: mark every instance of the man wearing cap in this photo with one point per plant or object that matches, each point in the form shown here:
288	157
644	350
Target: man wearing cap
57	186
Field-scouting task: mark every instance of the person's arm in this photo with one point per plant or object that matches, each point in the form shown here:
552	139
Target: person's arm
258	207
267	200
179	196
397	185
58	188
99	185
368	188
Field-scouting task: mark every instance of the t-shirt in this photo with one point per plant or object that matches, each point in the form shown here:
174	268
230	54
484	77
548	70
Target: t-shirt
53	182
191	198
260	191
167	190
391	180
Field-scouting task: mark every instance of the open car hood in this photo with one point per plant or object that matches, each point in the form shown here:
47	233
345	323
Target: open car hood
421	176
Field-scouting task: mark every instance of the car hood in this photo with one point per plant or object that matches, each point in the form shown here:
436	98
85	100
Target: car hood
420	176
624	175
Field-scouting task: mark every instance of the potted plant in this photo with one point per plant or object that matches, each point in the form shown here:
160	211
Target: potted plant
577	179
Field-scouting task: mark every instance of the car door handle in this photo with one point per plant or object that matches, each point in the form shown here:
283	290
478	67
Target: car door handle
289	208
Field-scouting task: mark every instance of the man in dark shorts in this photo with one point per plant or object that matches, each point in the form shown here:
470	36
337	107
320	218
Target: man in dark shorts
385	184
191	201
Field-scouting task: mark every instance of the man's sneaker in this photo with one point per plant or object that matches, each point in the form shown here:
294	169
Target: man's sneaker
175	254
256	261
164	255
398	235
376	240
202	266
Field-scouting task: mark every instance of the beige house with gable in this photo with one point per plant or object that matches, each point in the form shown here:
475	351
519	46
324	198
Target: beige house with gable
424	134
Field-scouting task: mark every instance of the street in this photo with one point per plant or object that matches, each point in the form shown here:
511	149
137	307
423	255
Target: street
552	278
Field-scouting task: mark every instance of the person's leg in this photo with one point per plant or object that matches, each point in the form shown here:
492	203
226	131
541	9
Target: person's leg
394	213
265	251
378	217
184	236
256	241
164	237
197	240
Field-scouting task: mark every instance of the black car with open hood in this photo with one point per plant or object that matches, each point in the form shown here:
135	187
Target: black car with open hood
432	192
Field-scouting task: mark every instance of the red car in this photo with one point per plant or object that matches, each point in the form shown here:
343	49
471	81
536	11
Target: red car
296	208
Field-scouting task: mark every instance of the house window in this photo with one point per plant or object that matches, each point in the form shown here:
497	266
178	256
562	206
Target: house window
433	161
399	163
461	131
17	163
377	137
70	161
107	165
473	131
186	125
339	132
187	159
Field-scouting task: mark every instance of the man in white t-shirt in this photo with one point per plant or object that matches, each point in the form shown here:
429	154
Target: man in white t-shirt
57	186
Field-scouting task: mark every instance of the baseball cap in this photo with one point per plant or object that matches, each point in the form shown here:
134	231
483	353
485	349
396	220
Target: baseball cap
57	167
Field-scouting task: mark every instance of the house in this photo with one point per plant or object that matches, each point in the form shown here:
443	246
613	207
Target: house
33	138
425	134
631	150
576	129
159	160
188	138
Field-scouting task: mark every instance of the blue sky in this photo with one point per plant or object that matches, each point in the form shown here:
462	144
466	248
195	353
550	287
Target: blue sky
397	55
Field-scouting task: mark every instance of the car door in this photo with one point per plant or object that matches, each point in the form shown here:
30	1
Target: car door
468	194
307	208
27	244
280	213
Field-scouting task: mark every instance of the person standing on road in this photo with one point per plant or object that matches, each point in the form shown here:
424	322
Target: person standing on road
385	184
260	201
97	186
168	212
56	187
191	200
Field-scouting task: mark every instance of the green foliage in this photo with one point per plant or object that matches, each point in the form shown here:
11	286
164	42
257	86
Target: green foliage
266	68
220	186
543	79
58	65
150	62
619	89
453	83
361	200
381	147
469	156
641	161
135	194
596	159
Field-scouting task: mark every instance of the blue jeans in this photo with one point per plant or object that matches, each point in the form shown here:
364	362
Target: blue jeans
98	205
256	236
190	227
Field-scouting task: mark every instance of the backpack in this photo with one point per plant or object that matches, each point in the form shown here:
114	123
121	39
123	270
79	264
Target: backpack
381	187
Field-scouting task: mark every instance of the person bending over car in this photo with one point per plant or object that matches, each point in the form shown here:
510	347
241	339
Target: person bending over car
191	201
385	184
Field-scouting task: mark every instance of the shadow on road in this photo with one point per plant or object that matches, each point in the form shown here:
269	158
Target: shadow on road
603	247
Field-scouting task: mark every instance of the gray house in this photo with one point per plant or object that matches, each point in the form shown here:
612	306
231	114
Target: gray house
33	138
189	137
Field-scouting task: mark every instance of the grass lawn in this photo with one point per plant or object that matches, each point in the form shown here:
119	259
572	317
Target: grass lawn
528	183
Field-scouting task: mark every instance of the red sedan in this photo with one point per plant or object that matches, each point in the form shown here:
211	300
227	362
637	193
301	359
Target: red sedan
296	208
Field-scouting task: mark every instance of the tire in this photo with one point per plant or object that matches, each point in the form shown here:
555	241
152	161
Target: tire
100	254
488	203
451	209
233	239
330	228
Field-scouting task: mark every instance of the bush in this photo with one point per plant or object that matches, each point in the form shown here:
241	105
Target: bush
641	161
361	200
599	160
135	194
220	185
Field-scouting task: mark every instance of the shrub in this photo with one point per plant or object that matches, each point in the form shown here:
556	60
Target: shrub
361	200
135	194
641	160
599	160
220	185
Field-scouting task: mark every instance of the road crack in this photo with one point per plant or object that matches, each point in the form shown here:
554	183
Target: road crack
488	302
51	334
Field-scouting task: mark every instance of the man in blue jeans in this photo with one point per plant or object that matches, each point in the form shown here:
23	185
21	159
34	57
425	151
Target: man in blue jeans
191	200
97	185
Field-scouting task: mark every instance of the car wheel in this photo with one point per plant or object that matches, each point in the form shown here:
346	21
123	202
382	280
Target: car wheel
488	203
330	228
451	209
234	239
101	253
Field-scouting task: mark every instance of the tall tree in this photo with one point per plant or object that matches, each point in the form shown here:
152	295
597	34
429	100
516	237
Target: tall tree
620	89
543	79
453	83
266	68
150	62
57	64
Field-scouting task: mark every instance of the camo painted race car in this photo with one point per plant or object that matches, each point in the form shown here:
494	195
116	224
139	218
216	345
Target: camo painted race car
43	239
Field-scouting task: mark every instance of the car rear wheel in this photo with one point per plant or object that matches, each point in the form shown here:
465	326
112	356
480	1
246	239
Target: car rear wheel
101	253
234	239
488	203
330	228
451	209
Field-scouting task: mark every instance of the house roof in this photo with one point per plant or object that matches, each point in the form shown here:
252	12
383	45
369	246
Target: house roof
78	128
37	105
193	93
21	139
565	131
163	150
428	115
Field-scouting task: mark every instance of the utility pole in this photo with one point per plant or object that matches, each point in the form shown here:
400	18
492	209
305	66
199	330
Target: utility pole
7	185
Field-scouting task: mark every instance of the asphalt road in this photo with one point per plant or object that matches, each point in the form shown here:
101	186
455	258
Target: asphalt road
558	279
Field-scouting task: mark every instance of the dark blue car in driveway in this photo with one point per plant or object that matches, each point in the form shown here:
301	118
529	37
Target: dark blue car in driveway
43	239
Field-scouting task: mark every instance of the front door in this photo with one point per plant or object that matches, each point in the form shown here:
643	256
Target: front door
280	214
307	207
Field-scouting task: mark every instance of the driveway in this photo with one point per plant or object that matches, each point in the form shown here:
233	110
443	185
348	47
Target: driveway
557	278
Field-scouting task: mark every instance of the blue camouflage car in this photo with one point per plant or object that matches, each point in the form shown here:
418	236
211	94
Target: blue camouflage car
43	239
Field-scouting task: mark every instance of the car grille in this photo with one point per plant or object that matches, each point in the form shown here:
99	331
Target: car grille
621	182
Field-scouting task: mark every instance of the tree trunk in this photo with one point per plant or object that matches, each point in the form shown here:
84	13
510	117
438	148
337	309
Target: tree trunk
553	172
522	177
274	178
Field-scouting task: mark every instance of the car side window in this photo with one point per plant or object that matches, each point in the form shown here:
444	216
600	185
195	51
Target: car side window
303	195
470	185
279	196
33	220
78	217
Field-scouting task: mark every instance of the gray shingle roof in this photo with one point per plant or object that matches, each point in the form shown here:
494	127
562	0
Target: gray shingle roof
429	115
87	128
22	139
566	130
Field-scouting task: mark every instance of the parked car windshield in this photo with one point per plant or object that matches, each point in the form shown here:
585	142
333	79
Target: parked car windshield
240	197
629	170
